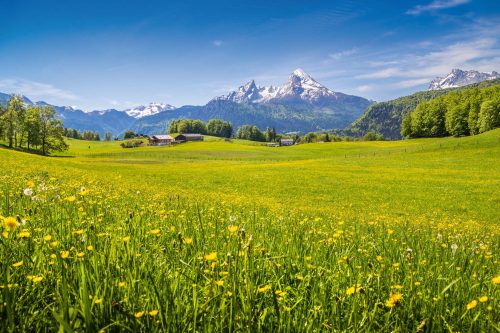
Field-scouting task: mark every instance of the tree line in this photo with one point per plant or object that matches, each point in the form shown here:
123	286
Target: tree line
85	135
31	126
467	112
214	127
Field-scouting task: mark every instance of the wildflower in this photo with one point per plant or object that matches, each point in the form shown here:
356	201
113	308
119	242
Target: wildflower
53	244
188	240
379	258
153	313
354	289
472	305
139	314
28	192
80	254
10	223
126	239
390	231
154	232
37	279
5	234
24	234
219	283
394	299
90	248
64	254
98	301
264	288
496	279
17	264
71	198
232	228
483	299
30	183
211	256
47	238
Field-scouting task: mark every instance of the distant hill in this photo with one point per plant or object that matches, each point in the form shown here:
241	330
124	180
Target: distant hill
386	117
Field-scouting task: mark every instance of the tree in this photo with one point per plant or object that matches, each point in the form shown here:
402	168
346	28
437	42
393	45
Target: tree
107	136
489	116
51	131
219	128
457	119
129	134
250	132
9	119
32	126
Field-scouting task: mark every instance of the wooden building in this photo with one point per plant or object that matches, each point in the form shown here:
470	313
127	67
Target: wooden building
161	140
188	137
286	142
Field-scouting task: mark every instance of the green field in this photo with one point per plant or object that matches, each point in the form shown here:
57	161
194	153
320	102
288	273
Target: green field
399	236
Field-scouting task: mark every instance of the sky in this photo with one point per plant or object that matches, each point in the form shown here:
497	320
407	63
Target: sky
119	54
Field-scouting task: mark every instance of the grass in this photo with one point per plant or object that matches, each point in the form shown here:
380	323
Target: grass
217	236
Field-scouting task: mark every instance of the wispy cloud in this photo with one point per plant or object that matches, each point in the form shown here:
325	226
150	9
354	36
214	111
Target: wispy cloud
435	5
217	43
364	88
35	89
342	54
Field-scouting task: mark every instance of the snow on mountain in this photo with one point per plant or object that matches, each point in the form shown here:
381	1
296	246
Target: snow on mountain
148	110
459	78
300	86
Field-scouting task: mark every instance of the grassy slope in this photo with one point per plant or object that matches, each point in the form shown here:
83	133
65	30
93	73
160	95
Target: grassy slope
427	177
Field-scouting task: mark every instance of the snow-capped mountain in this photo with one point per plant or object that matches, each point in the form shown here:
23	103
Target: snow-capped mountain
459	78
300	87
148	110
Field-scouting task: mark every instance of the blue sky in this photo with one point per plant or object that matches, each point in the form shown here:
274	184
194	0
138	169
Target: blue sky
118	54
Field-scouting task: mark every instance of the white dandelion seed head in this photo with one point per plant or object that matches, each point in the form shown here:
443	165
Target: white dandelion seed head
28	192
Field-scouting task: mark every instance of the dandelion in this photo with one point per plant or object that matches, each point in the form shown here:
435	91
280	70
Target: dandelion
154	232
53	244
71	198
264	288
232	228
90	248
121	284
28	192
153	313
126	239
472	305
390	231
483	299
17	264
188	240
80	254
5	234
64	254
24	234
47	238
139	314
496	279
98	301
219	283
37	279
10	223
211	256
354	289
394	299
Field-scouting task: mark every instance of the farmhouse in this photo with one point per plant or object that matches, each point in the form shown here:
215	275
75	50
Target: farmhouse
161	140
188	137
286	142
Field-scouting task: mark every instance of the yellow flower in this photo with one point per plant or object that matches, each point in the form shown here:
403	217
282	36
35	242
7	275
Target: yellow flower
80	254
154	232
472	305
71	198
30	183
354	289
153	313
121	284
211	256
10	223
53	244
188	240
496	279
90	248
232	228
24	234
126	239
483	299
47	238
394	299
264	288
390	231
5	234
64	254
139	314
219	283
17	264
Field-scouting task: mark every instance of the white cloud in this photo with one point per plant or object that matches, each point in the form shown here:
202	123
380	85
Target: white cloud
364	88
33	89
342	54
436	5
217	43
412	83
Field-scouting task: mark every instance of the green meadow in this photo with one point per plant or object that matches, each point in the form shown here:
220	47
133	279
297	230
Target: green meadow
399	236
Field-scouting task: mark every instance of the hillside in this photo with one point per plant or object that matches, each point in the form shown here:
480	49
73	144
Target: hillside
386	117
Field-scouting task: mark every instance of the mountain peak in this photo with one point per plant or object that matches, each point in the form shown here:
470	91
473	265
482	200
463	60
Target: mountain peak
459	78
301	73
149	110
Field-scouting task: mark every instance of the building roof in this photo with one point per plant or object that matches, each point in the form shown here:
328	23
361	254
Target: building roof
162	137
190	135
286	140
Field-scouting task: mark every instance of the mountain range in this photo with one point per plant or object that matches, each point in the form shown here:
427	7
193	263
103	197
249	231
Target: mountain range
301	104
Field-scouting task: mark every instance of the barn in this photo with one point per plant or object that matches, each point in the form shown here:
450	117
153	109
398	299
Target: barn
161	140
188	137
